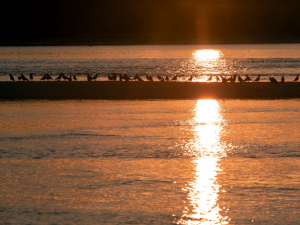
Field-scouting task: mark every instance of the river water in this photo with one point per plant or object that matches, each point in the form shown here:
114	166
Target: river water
182	60
150	162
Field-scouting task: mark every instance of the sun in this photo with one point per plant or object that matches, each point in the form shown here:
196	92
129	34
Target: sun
206	55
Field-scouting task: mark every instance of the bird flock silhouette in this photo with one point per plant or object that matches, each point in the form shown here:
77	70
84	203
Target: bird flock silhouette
137	77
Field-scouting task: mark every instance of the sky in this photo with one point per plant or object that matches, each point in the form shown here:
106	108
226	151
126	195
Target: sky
149	21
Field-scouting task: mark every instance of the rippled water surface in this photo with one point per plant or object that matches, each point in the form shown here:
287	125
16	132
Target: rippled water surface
182	60
150	162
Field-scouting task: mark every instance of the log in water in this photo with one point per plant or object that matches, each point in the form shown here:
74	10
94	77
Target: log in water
147	90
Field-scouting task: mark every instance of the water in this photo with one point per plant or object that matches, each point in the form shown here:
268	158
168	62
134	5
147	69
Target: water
150	162
183	60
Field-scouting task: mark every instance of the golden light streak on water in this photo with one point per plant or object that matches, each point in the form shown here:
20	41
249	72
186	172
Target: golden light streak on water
204	190
207	62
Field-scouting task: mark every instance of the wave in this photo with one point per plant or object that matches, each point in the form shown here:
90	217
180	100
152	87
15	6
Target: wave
55	136
63	136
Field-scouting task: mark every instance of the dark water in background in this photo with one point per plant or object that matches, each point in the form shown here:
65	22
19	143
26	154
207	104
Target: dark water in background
150	162
183	60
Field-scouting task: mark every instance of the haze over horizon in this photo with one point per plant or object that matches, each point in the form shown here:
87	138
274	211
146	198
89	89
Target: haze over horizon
32	22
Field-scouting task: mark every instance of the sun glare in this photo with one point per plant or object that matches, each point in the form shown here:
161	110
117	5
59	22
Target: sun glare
207	62
207	111
206	55
203	191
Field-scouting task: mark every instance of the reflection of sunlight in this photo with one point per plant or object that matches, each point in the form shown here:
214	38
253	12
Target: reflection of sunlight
207	62
203	191
207	111
206	55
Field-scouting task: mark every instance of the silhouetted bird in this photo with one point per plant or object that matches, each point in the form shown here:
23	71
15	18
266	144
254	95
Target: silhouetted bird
248	78
229	79
65	77
31	76
273	80
95	77
191	78
112	77
74	77
175	77
59	77
70	78
22	77
149	78
233	79
257	79
46	77
89	77
167	78
282	79
160	78
240	79
209	79
224	80
49	77
11	77
126	77
297	78
137	77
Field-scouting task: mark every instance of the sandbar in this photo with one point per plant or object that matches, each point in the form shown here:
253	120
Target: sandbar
146	90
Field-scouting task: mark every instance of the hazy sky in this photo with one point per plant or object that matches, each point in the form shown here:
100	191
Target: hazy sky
148	21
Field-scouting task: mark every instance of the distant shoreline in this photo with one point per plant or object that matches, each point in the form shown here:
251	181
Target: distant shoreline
146	90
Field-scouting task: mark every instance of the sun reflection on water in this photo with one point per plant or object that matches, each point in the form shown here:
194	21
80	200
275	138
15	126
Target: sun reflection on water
206	62
206	55
204	190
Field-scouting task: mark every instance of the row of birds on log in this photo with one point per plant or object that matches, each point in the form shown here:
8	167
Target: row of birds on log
125	77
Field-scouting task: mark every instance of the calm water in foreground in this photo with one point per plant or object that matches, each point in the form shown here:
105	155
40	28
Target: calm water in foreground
150	162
